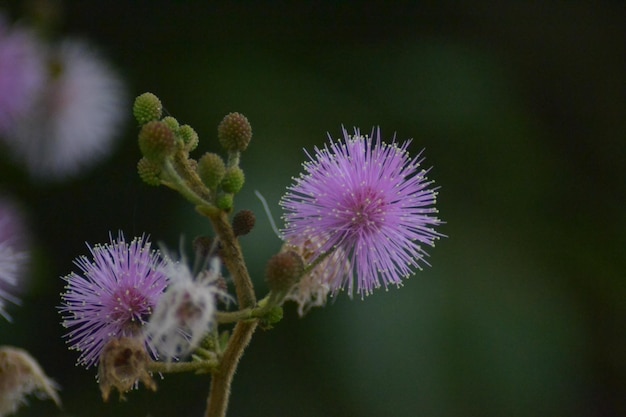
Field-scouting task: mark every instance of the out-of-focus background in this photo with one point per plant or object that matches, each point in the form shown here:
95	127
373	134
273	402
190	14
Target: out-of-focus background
521	109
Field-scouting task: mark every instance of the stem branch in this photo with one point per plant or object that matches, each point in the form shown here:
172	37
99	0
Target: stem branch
233	259
219	394
177	367
217	403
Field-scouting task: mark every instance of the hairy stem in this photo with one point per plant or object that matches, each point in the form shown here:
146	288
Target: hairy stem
233	259
175	181
217	403
258	312
176	367
219	394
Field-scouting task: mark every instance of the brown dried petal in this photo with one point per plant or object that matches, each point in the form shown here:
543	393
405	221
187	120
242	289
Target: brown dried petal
123	363
20	376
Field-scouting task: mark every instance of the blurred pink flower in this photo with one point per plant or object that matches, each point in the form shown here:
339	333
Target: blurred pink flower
22	73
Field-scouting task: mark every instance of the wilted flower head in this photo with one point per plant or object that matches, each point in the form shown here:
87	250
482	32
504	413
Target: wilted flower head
186	311
124	362
22	73
370	200
313	288
21	376
14	254
76	117
112	296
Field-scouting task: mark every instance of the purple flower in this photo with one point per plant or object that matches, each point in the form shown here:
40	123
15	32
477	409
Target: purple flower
14	254
369	201
113	296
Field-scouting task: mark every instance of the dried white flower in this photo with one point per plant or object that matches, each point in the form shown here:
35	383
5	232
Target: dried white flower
14	253
186	310
313	288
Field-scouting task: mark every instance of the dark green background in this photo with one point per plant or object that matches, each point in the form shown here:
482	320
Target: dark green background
521	108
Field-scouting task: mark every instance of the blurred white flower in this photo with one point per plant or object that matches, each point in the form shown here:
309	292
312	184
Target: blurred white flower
76	117
186	310
14	253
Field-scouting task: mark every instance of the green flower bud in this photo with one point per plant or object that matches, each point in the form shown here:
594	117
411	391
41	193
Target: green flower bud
225	202
171	122
156	140
234	132
243	222
149	171
283	270
211	169
233	180
189	137
147	107
273	316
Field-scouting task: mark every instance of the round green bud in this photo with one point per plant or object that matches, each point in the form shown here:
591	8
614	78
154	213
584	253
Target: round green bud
211	169
273	316
189	137
149	171
147	107
233	180
225	202
156	140
243	222
234	132
283	271
171	122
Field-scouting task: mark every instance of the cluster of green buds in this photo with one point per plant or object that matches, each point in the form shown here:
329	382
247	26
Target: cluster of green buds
209	182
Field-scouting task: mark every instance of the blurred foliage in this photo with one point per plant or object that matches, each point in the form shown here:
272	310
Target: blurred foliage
520	107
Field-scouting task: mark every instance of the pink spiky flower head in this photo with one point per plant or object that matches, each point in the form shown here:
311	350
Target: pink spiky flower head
113	296
370	201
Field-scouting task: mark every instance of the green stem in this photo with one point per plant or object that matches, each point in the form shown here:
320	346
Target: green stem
224	317
314	264
176	182
178	367
233	159
192	181
217	403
